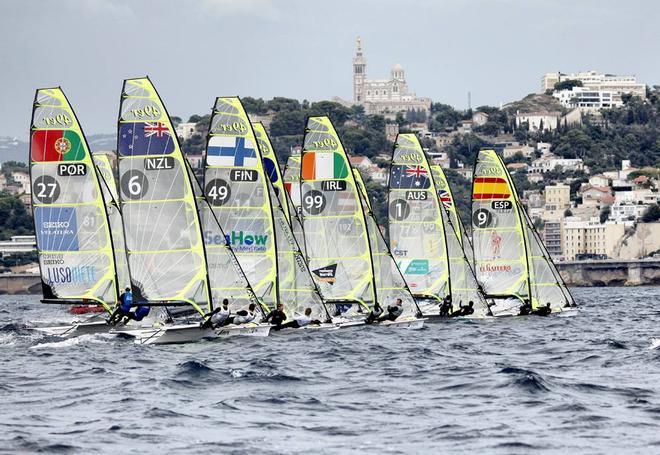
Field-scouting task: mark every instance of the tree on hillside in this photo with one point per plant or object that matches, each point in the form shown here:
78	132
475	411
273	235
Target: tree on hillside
288	123
567	84
337	113
281	104
651	214
254	105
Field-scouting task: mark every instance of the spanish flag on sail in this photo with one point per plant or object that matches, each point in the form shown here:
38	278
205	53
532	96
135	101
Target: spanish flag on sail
491	188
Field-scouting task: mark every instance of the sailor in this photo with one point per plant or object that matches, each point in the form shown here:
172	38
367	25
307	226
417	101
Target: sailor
374	314
218	317
245	316
393	311
277	316
463	310
300	321
446	308
543	311
123	307
525	308
140	313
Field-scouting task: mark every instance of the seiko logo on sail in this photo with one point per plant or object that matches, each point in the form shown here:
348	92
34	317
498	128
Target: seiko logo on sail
328	143
147	111
71	170
59	119
243	175
333	185
160	163
416	195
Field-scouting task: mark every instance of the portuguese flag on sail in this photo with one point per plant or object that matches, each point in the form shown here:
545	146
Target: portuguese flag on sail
323	165
56	145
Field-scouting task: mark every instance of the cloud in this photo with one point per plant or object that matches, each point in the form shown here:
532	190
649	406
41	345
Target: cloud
261	8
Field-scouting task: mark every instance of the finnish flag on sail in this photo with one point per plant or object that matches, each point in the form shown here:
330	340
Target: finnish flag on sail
231	151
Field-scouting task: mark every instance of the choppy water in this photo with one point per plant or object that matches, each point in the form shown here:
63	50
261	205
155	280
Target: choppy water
588	384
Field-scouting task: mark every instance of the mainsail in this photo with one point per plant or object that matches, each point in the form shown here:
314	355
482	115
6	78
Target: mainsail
111	197
390	284
271	165
166	252
422	207
510	260
338	247
73	235
236	187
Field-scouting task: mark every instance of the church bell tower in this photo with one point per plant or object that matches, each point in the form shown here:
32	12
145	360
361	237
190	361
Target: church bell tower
359	74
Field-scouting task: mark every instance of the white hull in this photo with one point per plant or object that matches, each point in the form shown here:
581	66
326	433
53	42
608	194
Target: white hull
76	329
325	326
412	324
191	333
566	312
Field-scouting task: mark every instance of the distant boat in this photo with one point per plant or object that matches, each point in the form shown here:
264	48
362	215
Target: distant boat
511	262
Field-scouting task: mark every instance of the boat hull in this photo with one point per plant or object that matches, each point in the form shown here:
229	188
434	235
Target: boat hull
191	333
411	324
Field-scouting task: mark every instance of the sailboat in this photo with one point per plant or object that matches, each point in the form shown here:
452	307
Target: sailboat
167	253
243	184
426	234
390	284
511	262
337	231
74	243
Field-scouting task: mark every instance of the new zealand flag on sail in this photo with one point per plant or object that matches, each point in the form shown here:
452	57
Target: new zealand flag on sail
409	178
149	138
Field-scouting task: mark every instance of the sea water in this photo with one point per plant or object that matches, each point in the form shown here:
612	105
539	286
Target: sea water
584	384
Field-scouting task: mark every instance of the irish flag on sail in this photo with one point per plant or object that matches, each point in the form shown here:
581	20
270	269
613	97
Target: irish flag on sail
323	165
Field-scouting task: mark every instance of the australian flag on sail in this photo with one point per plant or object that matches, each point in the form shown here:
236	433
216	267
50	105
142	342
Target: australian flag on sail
409	178
150	138
231	152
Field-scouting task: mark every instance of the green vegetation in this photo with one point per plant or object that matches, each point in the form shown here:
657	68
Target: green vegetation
14	218
567	84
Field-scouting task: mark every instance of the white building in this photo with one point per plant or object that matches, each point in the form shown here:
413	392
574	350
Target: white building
185	130
587	98
480	118
538	121
550	162
379	96
22	178
590	237
595	81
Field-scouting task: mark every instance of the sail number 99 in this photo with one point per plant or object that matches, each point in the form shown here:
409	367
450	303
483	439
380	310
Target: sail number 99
314	202
218	192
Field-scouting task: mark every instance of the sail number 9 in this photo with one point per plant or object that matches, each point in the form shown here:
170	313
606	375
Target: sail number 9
218	192
46	189
314	202
482	218
134	184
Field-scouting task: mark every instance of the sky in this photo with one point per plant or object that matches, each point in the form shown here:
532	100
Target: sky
196	50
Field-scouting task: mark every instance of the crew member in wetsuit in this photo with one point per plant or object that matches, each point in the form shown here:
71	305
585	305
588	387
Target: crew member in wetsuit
543	311
446	308
374	314
525	308
277	316
244	316
463	310
140	313
300	321
393	311
123	307
218	317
